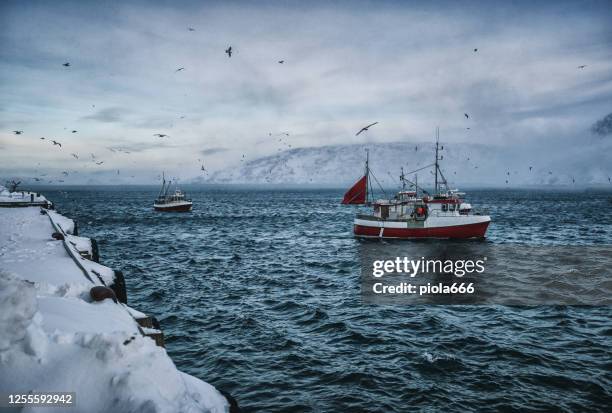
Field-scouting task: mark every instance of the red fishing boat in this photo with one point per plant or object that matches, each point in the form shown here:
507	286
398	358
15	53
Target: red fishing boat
171	202
442	215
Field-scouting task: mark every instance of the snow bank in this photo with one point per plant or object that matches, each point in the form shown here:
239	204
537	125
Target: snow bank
53	337
20	197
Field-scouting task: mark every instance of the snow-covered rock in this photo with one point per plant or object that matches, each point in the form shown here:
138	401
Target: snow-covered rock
53	337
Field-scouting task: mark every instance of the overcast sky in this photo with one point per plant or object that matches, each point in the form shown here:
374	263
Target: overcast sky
346	64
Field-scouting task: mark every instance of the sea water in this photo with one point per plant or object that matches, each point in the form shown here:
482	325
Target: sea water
258	293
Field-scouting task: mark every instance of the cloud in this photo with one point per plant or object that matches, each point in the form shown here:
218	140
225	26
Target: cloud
108	115
212	151
411	67
603	126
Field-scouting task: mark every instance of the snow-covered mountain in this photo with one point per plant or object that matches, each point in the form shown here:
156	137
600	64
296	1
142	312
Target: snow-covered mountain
463	164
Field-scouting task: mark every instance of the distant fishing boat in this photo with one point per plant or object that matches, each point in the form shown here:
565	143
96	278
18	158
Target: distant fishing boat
443	215
172	202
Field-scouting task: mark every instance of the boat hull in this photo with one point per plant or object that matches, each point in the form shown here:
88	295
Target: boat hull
183	207
399	230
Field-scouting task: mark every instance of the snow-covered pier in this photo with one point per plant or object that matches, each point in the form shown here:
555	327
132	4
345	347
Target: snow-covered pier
65	325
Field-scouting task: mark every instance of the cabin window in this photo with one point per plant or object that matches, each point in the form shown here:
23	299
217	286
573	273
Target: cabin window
444	207
451	207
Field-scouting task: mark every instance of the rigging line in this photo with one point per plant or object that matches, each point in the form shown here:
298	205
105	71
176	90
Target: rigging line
398	184
379	185
420	169
415	185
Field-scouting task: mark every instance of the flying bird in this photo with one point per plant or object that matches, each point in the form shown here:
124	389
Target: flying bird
17	132
161	135
475	50
75	156
466	115
42	139
191	29
99	163
179	69
74	131
530	168
57	143
229	51
281	61
67	64
582	66
365	128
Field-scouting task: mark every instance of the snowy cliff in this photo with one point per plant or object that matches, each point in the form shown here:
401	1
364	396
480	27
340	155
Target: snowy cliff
463	164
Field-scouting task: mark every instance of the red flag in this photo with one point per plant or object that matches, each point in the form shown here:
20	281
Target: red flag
358	192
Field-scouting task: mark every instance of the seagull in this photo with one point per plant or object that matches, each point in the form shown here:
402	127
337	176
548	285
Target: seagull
74	131
99	163
191	29
475	50
57	143
530	168
179	69
365	128
466	115
17	132
67	64
160	135
42	139
281	61
229	51
582	66
75	156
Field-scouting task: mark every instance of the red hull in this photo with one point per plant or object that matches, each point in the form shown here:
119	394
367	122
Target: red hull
175	208
477	230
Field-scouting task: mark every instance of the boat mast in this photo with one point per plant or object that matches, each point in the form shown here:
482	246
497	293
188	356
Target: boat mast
367	172
403	179
436	163
163	185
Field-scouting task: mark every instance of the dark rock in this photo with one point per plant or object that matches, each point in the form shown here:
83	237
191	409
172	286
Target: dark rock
95	252
101	293
234	408
118	286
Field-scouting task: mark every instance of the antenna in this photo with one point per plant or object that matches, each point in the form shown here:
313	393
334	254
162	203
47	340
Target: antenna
402	178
